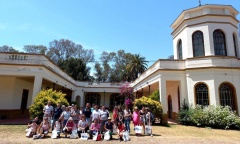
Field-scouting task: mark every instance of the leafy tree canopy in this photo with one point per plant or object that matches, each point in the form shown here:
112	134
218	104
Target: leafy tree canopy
6	48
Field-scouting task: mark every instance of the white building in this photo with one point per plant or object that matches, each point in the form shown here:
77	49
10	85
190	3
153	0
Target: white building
205	69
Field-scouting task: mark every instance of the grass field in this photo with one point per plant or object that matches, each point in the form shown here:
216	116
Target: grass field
161	135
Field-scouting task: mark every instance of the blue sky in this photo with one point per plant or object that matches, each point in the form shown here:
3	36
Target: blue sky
137	26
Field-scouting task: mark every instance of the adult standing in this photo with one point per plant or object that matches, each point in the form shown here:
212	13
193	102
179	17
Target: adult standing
48	111
56	115
120	114
87	112
93	107
127	118
66	115
103	117
96	113
115	115
75	114
142	118
136	118
149	118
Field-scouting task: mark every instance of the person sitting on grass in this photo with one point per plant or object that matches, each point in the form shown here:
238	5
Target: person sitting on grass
58	127
44	128
68	127
120	130
94	128
82	126
32	129
36	121
109	127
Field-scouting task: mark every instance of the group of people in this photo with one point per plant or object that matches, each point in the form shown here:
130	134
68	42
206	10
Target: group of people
91	120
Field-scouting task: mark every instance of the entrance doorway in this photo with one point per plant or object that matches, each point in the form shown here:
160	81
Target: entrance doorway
169	106
24	100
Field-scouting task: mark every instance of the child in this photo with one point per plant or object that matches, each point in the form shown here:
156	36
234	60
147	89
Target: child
121	129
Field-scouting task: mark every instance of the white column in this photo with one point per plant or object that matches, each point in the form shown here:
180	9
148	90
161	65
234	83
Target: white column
183	90
36	86
73	95
82	99
162	93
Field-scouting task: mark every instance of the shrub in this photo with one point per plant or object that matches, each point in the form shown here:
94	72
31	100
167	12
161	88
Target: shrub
155	95
185	114
36	109
210	116
154	106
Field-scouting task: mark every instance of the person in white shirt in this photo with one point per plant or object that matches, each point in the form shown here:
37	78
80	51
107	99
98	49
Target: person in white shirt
48	111
96	113
104	114
57	127
65	115
82	126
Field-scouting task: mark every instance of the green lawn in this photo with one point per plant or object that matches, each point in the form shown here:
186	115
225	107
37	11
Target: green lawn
172	134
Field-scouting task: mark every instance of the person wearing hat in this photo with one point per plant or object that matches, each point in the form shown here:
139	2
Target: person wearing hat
109	127
136	117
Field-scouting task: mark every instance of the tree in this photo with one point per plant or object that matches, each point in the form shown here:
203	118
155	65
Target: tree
86	55
61	50
155	95
35	49
36	109
113	67
119	72
64	49
136	66
171	57
76	68
103	71
98	73
6	48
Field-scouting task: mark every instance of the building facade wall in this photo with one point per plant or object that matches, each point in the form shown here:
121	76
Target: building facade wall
7	85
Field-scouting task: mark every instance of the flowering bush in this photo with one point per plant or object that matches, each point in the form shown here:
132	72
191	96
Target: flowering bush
36	109
210	116
128	102
154	106
127	93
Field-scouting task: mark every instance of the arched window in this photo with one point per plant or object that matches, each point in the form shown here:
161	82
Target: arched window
93	98
201	92
235	45
179	49
198	44
227	97
219	43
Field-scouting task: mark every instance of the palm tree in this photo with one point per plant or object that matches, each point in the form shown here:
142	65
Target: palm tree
136	66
